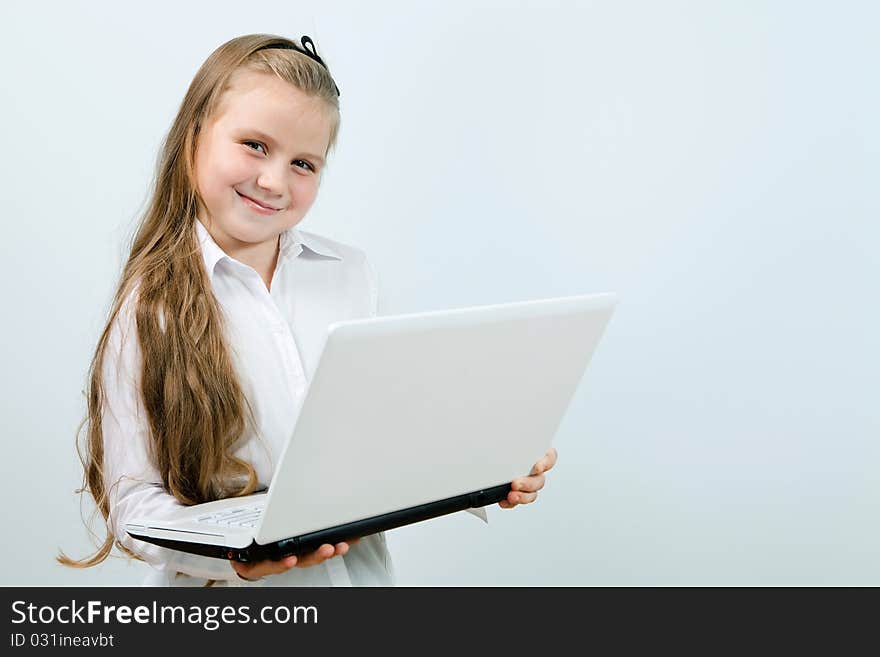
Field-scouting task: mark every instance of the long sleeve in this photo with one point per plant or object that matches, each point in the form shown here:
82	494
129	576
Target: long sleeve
134	484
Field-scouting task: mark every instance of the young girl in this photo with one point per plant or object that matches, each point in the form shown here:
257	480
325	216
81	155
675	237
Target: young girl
219	316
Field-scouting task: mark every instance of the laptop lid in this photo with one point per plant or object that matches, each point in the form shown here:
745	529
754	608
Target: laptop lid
405	410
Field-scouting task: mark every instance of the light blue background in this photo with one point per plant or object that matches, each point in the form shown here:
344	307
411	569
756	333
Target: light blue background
715	164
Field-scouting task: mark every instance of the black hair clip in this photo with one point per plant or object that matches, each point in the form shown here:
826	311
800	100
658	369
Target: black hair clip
313	53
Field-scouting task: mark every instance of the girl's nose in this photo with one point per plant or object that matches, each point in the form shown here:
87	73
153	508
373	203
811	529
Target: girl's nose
271	181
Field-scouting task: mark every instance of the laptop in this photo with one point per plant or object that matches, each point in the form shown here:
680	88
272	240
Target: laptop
406	418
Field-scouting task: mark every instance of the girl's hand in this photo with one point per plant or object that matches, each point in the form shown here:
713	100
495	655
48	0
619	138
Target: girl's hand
525	489
254	571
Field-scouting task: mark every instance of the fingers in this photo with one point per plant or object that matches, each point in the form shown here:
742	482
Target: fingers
521	498
321	555
262	568
254	571
530	484
525	489
515	499
546	462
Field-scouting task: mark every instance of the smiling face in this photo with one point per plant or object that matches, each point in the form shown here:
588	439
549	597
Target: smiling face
267	142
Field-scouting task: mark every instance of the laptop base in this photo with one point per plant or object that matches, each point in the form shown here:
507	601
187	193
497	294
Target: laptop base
310	542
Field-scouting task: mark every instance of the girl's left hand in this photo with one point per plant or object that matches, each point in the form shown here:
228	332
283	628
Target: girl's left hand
525	489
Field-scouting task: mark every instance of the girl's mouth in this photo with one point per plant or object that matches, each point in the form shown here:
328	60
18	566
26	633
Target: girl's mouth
256	207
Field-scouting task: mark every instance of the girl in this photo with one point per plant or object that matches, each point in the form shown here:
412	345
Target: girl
217	322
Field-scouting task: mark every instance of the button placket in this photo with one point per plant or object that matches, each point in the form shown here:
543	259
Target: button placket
284	342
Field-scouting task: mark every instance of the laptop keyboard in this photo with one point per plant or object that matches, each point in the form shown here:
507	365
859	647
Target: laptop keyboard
240	516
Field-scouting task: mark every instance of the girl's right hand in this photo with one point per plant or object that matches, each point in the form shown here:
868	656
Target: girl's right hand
254	571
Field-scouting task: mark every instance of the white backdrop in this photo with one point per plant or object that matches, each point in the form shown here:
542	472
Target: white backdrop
715	164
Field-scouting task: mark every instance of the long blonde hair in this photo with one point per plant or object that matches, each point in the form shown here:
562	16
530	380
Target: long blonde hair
195	407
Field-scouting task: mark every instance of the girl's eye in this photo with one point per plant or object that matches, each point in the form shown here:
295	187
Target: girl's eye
307	166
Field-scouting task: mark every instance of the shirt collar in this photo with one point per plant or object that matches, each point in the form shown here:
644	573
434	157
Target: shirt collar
211	251
293	237
291	245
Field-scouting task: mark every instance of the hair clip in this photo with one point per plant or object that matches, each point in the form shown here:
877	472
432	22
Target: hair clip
309	52
306	41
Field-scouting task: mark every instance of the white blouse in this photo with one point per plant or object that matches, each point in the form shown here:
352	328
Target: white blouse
276	339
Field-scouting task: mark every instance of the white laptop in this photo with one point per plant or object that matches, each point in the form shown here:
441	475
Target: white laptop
407	417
